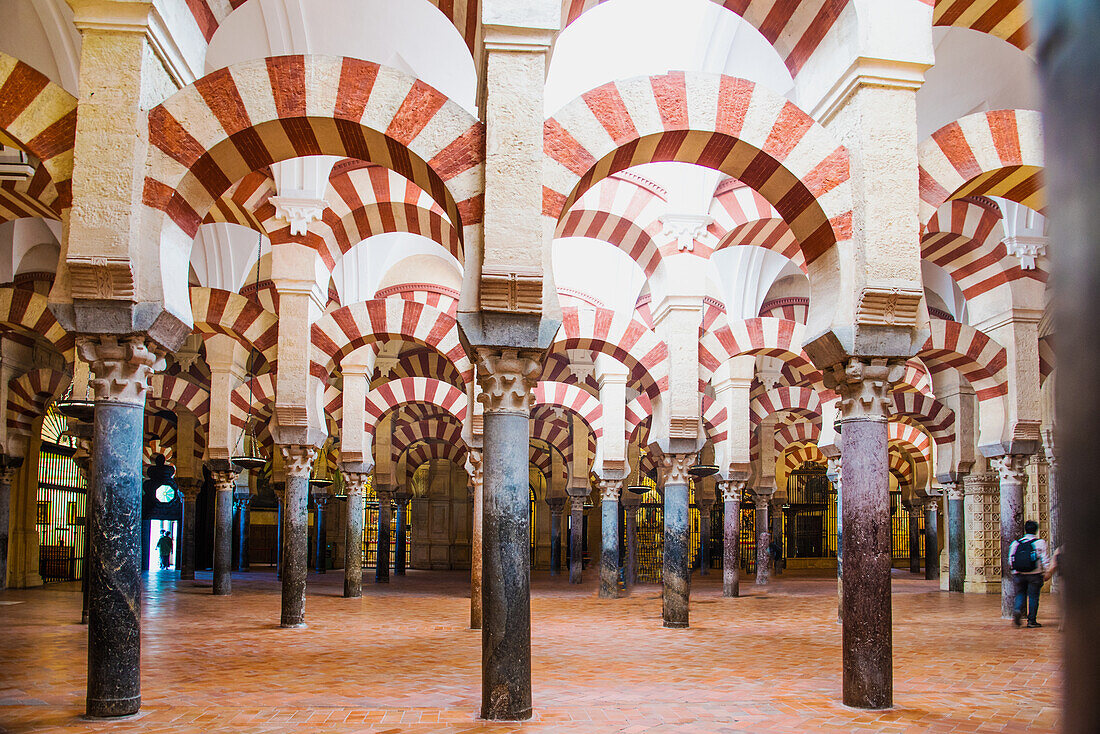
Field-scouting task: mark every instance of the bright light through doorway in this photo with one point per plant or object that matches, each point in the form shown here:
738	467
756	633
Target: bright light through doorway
156	529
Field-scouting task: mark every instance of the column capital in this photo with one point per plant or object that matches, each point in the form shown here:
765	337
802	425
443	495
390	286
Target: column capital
8	466
1010	467
865	386
676	467
241	502
611	490
507	379
298	459
556	504
384	494
474	469
189	488
953	490
225	480
631	500
731	490
320	500
122	366
355	482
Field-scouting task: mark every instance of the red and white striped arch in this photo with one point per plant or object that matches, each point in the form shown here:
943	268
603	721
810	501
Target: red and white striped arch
715	420
760	336
899	466
801	401
34	198
731	125
425	451
396	393
439	297
28	397
638	411
934	416
619	336
261	388
423	362
916	445
623	212
223	312
575	399
242	118
976	356
407	433
1005	19
998	153
340	332
28	312
173	393
802	431
540	458
798	455
916	378
555	433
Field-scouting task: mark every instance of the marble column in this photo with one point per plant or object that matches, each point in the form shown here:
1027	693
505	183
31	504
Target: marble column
280	527
225	477
836	476
914	511
320	501
476	487
864	386
83	460
355	484
706	504
121	369
298	459
507	380
763	539
1054	509
731	492
776	518
557	505
576	533
631	502
676	554
382	555
932	539
243	504
8	467
1012	469
610	492
956	536
400	510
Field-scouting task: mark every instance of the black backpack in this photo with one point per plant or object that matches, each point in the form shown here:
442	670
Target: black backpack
1025	559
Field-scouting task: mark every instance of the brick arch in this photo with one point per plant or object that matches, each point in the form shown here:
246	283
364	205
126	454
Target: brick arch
395	393
976	356
934	416
800	454
715	421
574	399
997	153
424	362
29	395
619	336
1004	19
173	393
223	312
916	446
29	312
340	332
444	429
731	125
262	390
764	336
421	453
803	401
771	234
624	233
638	411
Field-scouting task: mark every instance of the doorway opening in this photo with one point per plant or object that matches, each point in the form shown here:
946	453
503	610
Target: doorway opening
167	529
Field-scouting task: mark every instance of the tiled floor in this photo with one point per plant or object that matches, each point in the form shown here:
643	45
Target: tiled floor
401	659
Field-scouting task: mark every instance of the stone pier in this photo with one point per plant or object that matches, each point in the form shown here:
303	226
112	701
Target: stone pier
355	484
299	462
676	556
610	492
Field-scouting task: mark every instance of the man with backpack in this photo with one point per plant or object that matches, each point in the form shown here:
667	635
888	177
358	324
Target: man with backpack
1027	557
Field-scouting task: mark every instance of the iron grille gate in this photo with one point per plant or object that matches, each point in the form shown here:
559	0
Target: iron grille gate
899	520
62	516
809	517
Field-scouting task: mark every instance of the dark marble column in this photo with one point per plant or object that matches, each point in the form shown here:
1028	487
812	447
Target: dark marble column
244	520
731	536
836	474
610	491
864	386
225	476
475	485
83	458
776	518
631	502
956	536
320	501
298	460
280	527
8	467
676	554
932	539
706	504
763	538
189	488
1012	469
557	505
382	555
121	369
402	506
507	381
576	533
355	485
914	537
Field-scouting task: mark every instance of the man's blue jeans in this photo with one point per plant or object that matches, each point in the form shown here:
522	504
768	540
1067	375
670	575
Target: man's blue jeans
1027	589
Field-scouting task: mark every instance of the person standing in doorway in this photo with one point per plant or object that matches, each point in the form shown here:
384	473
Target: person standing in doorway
1030	564
164	545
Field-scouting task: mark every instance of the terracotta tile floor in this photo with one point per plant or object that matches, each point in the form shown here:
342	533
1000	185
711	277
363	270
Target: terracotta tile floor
401	659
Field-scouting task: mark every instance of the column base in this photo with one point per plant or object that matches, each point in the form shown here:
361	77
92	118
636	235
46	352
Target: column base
187	576
112	708
674	625
293	625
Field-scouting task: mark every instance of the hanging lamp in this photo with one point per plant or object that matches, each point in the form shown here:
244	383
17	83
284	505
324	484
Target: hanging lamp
77	410
699	470
320	478
250	457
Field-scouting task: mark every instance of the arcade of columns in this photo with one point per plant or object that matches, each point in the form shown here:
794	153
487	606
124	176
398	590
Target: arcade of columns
863	371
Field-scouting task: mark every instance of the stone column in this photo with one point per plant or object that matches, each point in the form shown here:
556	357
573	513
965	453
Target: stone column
731	536
763	538
83	459
776	518
507	380
610	491
121	369
382	555
705	501
556	504
355	484
676	554
1012	469
298	459
280	527
631	503
956	536
914	511
319	503
225	481
8	467
576	533
474	468
932	539
864	386
402	500
244	518
836	476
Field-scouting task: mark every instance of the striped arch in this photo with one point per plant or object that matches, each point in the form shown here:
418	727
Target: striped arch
767	337
17	201
263	395
540	459
28	397
423	452
424	362
916	378
222	312
395	393
337	334
1005	19
803	401
997	153
620	231
39	117
798	455
638	411
916	446
731	125
715	420
771	234
407	433
173	393
29	312
977	357
619	336
554	433
934	416
900	467
439	297
241	201
802	431
572	398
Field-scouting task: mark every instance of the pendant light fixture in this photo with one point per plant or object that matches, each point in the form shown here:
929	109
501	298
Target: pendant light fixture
249	458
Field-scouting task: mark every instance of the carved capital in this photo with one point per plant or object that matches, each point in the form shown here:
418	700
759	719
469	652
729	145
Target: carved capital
889	306
241	503
507	379
731	491
298	212
474	468
953	490
298	459
835	471
610	490
676	467
865	386
1010	467
556	505
320	500
224	481
1049	447
122	367
355	482
97	278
